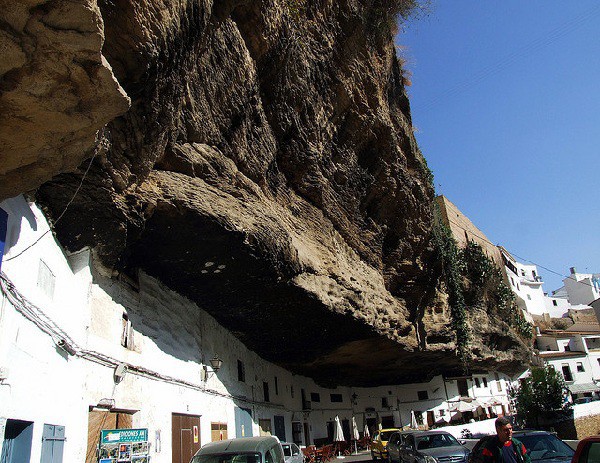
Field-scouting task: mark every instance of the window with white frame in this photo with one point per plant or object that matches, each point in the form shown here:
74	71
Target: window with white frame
580	368
127	332
46	279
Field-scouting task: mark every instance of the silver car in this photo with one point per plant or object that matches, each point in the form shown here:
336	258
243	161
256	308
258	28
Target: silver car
292	453
426	447
265	449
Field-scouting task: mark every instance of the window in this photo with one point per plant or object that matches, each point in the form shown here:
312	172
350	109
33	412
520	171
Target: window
266	391
528	297
477	384
315	397
554	302
126	332
498	383
336	397
218	431
292	391
580	368
518	288
566	371
463	388
422	395
484	382
512	281
276	386
241	371
46	279
384	402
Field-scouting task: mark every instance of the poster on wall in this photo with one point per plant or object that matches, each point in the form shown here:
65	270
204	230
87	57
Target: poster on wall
124	446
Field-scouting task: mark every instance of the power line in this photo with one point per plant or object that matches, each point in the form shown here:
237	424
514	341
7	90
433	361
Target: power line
27	248
522	259
510	58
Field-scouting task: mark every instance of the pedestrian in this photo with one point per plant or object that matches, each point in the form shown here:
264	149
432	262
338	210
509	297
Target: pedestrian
501	448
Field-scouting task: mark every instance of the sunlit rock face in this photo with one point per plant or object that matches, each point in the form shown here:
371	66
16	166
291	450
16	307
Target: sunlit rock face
267	170
57	91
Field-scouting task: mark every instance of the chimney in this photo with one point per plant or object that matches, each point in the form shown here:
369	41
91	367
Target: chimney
573	270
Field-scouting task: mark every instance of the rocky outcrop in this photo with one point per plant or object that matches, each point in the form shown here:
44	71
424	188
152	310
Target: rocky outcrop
267	169
57	91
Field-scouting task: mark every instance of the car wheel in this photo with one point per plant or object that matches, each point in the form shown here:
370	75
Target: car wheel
373	456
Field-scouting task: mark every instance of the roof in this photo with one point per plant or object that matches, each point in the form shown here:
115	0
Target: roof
241	444
584	387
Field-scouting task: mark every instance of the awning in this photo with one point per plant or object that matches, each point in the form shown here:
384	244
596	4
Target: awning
584	387
464	406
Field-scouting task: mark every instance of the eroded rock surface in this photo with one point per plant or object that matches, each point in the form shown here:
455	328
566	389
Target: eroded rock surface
267	170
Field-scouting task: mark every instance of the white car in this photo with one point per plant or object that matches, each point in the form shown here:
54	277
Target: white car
292	453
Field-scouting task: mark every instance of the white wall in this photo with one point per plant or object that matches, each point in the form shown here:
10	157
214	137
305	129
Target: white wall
580	288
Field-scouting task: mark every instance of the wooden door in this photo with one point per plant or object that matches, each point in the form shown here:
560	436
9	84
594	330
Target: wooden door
104	419
185	438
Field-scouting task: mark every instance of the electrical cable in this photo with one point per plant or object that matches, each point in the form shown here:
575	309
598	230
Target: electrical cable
483	238
36	316
510	58
27	248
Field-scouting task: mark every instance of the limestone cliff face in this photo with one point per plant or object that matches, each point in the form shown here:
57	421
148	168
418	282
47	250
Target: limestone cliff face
267	170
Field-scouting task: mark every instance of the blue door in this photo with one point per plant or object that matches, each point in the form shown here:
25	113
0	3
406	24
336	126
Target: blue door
53	441
280	427
16	447
243	422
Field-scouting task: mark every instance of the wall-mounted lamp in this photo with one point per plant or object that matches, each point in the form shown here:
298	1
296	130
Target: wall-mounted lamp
354	397
215	364
64	345
120	372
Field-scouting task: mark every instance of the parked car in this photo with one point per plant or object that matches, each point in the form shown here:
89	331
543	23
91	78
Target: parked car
379	443
542	446
264	449
292	453
588	450
426	447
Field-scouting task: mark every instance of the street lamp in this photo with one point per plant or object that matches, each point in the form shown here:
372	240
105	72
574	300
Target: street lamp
215	364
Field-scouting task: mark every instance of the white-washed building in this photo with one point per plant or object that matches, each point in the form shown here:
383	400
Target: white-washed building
580	288
81	352
576	355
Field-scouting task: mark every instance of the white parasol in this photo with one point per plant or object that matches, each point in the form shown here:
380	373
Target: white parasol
355	434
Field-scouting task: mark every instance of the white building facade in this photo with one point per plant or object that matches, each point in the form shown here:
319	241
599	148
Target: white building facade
576	356
81	352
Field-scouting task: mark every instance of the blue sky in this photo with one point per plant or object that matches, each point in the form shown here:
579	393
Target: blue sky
505	98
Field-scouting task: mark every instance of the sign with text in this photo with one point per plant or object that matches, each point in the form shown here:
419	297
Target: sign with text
124	445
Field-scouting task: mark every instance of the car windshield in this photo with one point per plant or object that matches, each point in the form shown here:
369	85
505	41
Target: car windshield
287	450
545	447
436	440
227	458
385	435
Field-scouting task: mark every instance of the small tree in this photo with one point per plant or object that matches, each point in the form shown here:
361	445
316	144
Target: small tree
540	395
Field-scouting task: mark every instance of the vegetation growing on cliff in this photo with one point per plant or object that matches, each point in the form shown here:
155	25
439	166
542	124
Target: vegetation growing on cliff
474	280
450	257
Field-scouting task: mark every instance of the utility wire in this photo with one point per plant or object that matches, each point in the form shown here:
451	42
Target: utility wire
27	248
37	316
522	259
510	58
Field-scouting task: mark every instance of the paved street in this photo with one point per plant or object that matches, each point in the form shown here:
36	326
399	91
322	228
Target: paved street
363	455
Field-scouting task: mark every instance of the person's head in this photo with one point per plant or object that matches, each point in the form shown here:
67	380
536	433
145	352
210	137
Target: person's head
503	429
